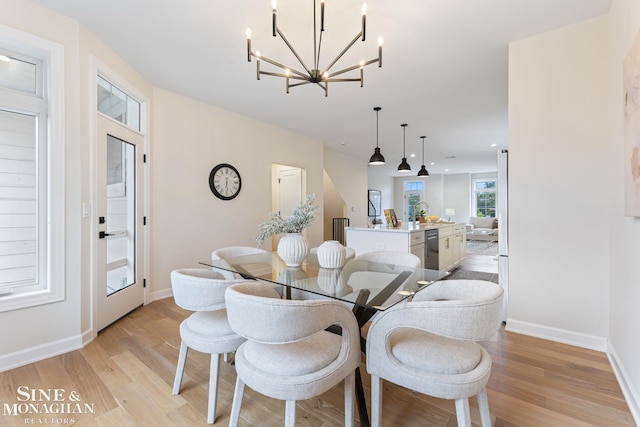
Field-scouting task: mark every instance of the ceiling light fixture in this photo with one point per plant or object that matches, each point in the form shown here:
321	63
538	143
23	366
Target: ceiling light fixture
377	158
404	166
423	170
314	75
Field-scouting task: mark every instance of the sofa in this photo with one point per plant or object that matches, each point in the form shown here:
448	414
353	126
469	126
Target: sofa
482	228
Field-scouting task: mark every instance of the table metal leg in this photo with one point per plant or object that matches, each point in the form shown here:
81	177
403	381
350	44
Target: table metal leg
362	404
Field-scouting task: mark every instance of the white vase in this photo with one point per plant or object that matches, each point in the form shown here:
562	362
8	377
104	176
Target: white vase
331	254
293	248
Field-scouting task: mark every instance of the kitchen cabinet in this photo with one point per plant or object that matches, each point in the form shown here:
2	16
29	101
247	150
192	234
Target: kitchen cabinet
446	255
451	246
416	242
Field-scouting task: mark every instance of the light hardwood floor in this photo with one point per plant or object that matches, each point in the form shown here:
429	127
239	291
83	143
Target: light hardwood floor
127	373
481	260
482	263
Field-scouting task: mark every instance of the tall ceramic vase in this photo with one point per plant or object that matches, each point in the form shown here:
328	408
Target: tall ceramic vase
293	248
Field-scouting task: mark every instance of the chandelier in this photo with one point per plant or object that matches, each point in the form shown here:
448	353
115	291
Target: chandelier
322	77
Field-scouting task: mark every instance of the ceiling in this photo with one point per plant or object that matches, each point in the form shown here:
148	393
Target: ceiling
444	66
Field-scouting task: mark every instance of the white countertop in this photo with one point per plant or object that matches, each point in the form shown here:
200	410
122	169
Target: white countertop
405	228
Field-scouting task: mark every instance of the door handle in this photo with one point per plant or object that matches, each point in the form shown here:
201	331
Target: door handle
103	234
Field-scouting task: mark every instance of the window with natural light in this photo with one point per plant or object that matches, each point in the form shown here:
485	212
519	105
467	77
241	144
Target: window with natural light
31	185
116	104
484	197
413	196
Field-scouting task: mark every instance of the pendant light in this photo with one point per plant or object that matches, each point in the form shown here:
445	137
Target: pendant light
404	166
423	171
377	158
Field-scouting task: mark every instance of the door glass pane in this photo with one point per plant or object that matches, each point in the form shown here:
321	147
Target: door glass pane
412	200
120	218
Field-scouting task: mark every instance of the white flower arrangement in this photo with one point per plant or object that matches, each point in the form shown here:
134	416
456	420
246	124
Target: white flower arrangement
302	217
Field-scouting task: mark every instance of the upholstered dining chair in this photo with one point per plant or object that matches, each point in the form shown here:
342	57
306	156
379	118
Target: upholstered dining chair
288	354
427	345
207	330
234	251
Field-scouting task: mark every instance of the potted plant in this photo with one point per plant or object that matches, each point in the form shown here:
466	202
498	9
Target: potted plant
293	247
420	215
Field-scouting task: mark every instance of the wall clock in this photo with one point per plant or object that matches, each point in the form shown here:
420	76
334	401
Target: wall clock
225	181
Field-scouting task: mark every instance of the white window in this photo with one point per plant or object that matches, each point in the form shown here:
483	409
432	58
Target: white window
31	171
115	103
484	197
413	197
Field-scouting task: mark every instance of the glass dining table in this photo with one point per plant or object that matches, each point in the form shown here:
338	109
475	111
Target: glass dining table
369	287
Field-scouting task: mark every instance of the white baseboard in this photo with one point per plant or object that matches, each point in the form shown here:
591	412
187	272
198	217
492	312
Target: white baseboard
630	394
559	335
56	348
157	295
40	352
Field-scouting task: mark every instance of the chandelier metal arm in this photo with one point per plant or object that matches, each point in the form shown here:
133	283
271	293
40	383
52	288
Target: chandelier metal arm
342	53
317	57
300	84
269	73
277	64
284	39
355	67
342	80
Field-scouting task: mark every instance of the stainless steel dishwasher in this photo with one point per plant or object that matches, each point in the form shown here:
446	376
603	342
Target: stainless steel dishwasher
431	250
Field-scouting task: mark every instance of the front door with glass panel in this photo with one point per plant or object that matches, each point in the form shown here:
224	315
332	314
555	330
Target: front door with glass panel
119	215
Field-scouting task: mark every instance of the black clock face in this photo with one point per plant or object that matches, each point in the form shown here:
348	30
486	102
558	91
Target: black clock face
225	181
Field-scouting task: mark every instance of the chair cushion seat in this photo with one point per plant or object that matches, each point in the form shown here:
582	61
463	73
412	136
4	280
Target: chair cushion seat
298	358
434	353
209	332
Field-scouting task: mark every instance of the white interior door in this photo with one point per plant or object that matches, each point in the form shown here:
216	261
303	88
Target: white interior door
289	191
120	213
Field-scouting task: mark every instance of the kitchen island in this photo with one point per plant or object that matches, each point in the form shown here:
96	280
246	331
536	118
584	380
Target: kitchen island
440	246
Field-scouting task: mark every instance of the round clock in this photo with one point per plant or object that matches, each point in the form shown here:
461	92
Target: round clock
225	181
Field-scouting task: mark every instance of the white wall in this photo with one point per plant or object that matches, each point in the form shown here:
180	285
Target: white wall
624	241
559	136
334	205
349	175
456	194
187	220
383	183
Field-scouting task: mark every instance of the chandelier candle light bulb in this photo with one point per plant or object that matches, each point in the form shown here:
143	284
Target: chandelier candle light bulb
258	64
249	44
364	20
274	13
287	72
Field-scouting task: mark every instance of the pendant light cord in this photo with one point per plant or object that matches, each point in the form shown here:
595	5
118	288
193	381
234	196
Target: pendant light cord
377	128
404	140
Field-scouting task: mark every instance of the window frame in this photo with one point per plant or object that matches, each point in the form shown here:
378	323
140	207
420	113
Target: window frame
417	188
490	190
51	57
